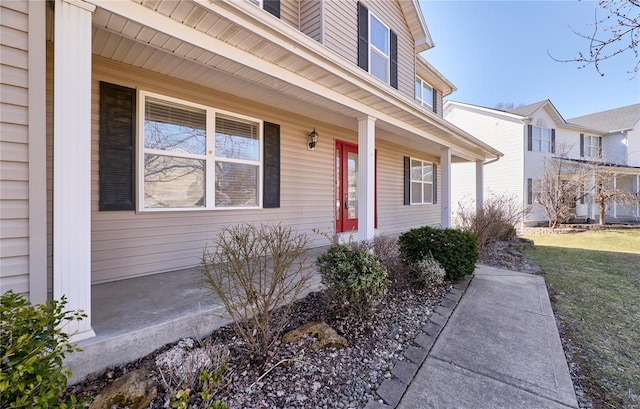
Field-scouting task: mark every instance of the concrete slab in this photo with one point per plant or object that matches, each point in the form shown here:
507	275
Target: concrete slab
444	385
500	348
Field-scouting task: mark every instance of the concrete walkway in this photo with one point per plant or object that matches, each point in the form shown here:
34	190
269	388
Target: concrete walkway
493	344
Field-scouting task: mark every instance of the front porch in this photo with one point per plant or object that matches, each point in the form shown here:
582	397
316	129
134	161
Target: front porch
134	317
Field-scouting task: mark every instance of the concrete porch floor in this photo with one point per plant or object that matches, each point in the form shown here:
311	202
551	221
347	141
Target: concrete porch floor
134	317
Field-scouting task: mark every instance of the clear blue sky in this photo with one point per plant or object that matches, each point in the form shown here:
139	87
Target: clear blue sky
496	51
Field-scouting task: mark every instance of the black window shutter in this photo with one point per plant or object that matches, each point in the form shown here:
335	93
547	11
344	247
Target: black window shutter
553	141
393	80
435	183
434	103
529	191
363	37
117	147
529	138
272	6
582	145
271	190
407	180
600	147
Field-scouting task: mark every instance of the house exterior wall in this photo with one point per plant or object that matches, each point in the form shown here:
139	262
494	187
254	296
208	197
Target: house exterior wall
14	147
289	12
127	244
633	145
614	149
502	177
340	35
311	18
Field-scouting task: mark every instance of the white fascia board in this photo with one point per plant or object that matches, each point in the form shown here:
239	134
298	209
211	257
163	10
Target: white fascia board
270	28
506	115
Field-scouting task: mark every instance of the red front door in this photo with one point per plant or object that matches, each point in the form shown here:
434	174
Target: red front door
346	187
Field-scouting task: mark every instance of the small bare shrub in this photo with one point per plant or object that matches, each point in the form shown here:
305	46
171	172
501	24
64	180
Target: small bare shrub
253	271
496	220
428	272
387	250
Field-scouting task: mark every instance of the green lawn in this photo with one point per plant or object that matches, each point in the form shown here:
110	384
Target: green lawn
594	280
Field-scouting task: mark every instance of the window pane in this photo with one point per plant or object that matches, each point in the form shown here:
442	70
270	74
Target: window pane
428	192
537	132
378	66
237	139
427	173
416	170
416	192
173	182
174	127
427	95
379	36
236	185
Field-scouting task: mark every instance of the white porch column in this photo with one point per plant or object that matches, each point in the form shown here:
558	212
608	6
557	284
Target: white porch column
72	161
479	185
614	205
445	187
366	177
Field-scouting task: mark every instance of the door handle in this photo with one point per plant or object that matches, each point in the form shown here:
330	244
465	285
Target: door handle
346	201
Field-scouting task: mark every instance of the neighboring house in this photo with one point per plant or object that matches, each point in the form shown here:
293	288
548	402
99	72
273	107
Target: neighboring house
530	135
133	131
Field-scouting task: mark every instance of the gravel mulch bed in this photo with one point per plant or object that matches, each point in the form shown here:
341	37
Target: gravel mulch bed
297	376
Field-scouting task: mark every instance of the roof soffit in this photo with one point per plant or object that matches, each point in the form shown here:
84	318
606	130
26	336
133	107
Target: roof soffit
313	63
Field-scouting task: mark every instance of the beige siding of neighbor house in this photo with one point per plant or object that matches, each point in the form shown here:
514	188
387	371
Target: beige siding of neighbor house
14	147
127	244
341	35
311	18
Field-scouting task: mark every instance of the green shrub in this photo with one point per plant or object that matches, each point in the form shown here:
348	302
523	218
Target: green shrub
356	279
32	348
455	250
428	272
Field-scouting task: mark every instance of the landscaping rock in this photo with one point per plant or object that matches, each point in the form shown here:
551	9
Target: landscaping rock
326	336
135	390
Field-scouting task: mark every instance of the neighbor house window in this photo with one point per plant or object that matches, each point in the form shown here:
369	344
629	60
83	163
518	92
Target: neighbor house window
424	93
378	49
592	146
422	177
542	139
196	157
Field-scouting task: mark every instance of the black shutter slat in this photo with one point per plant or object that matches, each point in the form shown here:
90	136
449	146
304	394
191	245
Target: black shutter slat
600	147
407	181
529	191
553	141
117	147
272	7
529	137
582	145
271	190
435	183
394	59
435	101
363	37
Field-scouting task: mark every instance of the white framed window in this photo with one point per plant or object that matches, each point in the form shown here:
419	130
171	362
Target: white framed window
421	182
193	157
592	146
424	93
541	139
379	49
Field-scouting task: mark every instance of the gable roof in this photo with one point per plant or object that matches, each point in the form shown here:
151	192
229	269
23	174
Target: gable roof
613	120
548	106
428	73
415	19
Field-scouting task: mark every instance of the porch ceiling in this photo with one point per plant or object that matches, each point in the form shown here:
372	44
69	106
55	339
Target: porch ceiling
264	60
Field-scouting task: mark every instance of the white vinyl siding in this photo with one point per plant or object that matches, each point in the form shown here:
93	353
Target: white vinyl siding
14	147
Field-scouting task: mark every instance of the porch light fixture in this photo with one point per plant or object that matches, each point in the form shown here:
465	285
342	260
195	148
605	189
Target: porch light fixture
313	139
